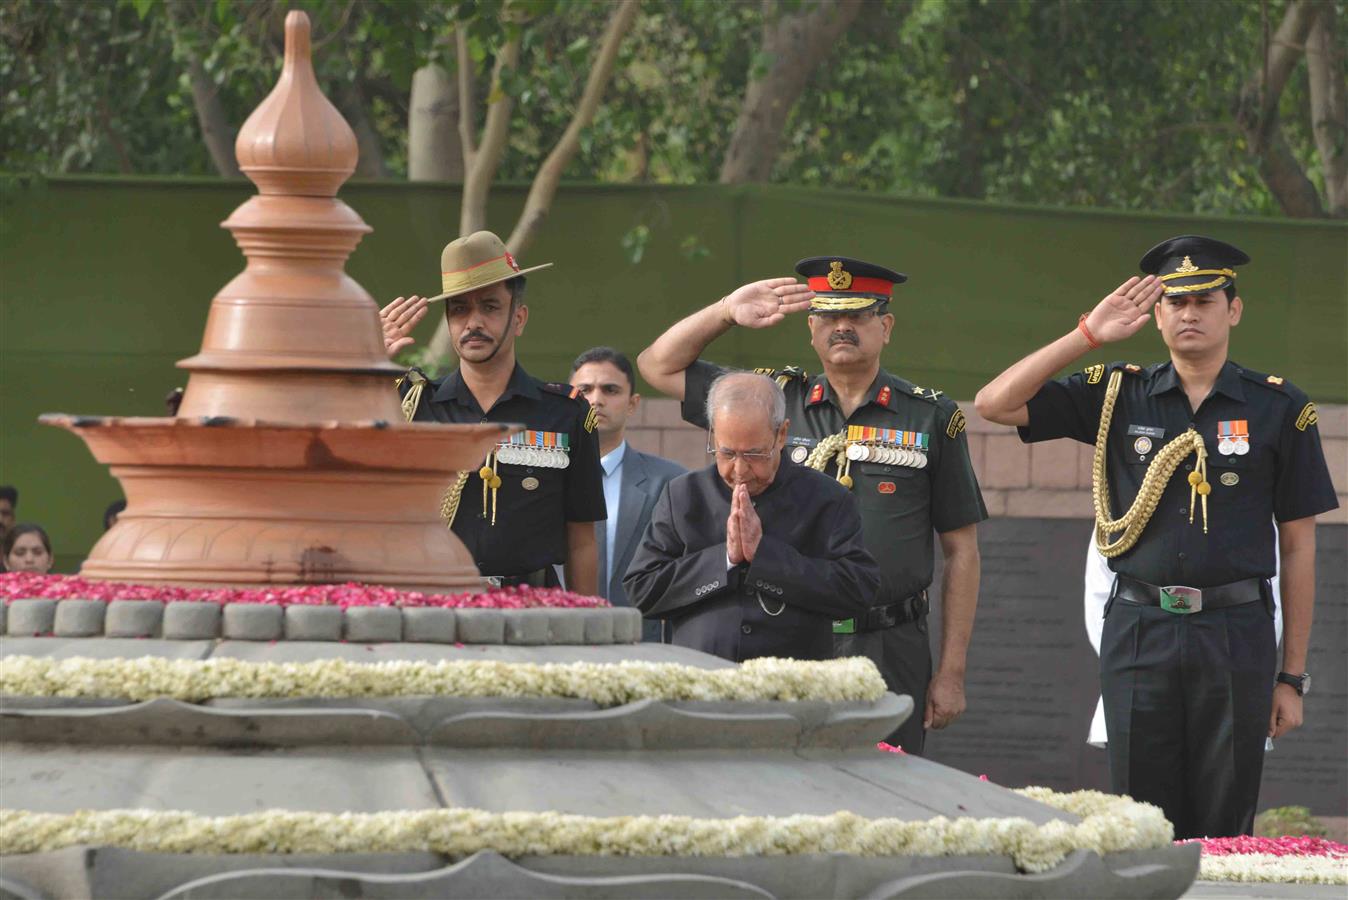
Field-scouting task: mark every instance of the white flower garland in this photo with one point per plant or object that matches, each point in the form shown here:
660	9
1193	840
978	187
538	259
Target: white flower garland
608	684
1113	824
1267	867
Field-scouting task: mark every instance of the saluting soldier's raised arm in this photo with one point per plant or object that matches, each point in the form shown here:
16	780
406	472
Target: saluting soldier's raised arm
759	304
398	319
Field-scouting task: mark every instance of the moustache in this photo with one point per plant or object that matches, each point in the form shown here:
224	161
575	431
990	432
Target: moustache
842	337
481	335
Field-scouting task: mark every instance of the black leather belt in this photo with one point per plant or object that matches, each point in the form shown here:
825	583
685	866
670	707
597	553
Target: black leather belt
1183	600
878	618
538	578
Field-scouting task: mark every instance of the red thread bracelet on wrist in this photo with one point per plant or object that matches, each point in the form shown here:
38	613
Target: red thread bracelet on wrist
1086	333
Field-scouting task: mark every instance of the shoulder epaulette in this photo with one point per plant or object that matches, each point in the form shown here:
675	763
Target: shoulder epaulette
908	389
566	390
1273	381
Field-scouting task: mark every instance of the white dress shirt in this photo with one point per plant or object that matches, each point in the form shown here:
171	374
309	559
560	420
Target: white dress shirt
612	463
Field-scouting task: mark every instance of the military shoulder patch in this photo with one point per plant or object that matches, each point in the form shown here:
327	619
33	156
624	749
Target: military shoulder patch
764	370
591	419
957	423
1308	417
1094	373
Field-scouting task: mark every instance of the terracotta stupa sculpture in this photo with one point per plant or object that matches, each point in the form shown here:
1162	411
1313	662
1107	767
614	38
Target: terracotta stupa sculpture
289	461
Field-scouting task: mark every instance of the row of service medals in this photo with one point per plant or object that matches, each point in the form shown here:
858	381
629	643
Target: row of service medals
540	449
1233	437
888	446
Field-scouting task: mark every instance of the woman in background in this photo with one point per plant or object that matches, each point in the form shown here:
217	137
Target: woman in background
27	549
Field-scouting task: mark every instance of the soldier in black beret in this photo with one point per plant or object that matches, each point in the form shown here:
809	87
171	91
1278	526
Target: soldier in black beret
899	447
1197	457
542	490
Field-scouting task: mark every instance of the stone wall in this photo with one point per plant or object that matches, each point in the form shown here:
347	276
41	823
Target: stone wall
1051	480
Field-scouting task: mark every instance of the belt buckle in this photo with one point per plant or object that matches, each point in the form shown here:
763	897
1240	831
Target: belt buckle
1181	600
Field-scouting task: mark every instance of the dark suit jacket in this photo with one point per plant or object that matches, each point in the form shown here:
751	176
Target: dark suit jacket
811	567
644	477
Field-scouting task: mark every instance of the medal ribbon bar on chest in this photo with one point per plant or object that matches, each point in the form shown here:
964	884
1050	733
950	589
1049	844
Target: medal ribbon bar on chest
889	446
544	449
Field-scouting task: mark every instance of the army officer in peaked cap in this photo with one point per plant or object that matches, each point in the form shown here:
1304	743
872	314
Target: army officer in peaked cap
1197	457
541	492
899	447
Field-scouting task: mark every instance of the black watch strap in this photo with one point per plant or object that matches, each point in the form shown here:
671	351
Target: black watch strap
1296	681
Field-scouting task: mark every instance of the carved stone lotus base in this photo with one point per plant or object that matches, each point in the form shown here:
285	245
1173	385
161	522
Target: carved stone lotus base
233	502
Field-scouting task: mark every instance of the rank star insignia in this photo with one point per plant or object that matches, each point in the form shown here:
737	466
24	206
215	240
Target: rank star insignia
917	390
839	278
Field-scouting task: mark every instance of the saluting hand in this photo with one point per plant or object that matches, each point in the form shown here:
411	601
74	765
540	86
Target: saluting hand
1123	313
765	303
398	320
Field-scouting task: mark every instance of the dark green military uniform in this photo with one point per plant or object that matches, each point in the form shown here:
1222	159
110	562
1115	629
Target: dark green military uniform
901	507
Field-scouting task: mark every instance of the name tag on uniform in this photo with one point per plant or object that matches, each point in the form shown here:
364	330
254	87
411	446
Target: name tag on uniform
1146	431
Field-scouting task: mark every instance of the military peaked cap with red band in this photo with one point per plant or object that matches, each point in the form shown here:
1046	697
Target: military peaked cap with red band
843	284
1193	264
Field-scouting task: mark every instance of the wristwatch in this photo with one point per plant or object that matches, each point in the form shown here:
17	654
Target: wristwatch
1302	683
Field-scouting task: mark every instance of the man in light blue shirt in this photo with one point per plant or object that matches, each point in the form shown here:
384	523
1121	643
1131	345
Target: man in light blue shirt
632	480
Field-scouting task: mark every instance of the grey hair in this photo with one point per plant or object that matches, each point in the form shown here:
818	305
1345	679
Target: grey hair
738	391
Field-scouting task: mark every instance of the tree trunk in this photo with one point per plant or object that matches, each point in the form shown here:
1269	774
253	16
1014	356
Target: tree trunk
370	161
495	135
216	130
1256	113
1329	106
434	151
544	187
796	44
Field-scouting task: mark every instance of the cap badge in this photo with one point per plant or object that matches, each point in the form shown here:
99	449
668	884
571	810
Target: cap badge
839	278
1186	267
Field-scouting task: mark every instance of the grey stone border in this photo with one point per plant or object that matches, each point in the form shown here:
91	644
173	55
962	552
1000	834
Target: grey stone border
191	620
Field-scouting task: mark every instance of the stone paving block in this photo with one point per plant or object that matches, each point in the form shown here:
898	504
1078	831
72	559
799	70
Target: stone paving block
79	618
1053	464
526	626
188	620
133	618
430	625
626	625
565	627
313	623
1006	462
481	626
374	624
598	625
253	622
32	616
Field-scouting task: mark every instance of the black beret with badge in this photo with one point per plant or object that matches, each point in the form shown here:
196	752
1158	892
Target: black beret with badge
842	284
1193	264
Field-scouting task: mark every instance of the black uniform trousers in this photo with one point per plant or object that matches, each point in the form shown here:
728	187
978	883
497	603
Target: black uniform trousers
1187	702
903	656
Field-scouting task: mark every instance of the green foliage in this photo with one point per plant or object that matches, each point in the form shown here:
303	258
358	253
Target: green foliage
1126	103
1285	821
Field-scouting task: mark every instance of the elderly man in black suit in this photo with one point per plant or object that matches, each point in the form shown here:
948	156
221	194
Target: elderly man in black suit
748	557
632	479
